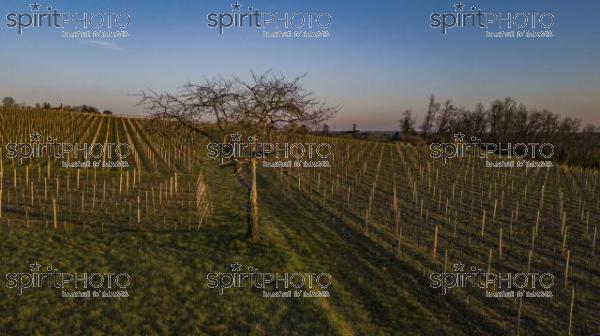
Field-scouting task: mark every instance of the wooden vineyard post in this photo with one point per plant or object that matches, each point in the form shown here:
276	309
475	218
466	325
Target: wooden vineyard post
537	223
54	219
571	311
567	268
483	224
138	210
445	260
435	241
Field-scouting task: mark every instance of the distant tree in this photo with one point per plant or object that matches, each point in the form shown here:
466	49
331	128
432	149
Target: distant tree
432	110
354	130
87	109
407	122
325	129
107	112
507	121
479	125
46	106
445	117
8	101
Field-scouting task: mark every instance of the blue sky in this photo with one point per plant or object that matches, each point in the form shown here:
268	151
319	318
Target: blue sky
382	57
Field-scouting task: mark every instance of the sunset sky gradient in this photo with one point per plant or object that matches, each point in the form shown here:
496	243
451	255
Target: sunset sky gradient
382	57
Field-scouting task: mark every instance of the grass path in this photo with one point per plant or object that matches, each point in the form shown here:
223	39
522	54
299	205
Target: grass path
373	292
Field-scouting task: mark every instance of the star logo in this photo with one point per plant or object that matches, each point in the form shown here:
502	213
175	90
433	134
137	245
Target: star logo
35	6
34	267
459	267
459	6
35	137
235	137
236	267
459	137
235	6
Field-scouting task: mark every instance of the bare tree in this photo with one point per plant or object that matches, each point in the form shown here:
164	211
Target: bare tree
407	122
432	110
507	121
263	104
445	118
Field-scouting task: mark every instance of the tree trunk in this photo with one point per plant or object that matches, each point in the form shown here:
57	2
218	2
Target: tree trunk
253	204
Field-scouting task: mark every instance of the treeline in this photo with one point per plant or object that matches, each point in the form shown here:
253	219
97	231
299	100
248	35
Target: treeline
10	102
508	121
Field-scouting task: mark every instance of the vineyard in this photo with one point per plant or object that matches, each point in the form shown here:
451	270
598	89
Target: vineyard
380	220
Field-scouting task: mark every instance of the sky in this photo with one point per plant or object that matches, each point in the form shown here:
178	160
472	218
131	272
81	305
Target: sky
381	57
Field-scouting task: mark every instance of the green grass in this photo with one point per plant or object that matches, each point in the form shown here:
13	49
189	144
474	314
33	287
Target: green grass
372	293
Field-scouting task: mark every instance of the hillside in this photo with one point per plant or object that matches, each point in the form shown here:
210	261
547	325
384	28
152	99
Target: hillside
380	221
